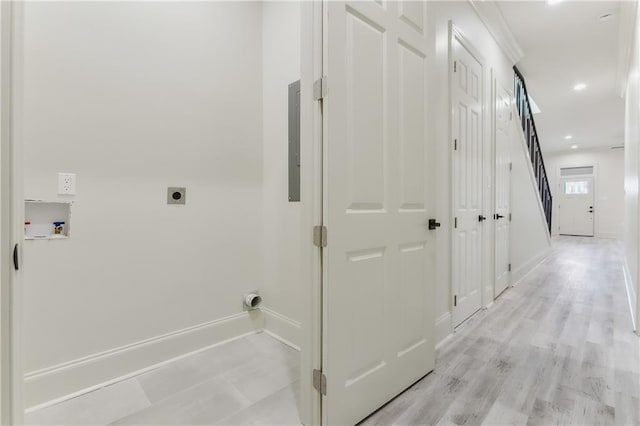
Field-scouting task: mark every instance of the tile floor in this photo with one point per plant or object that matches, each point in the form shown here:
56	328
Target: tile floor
252	380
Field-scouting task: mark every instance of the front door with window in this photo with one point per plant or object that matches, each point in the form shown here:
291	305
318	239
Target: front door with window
576	206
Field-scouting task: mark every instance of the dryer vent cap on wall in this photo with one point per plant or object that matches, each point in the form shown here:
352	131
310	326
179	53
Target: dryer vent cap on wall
252	301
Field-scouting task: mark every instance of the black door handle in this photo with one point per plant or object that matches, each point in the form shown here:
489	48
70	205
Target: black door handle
433	224
16	263
498	216
481	218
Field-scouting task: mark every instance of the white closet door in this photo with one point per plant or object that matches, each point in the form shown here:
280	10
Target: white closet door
467	80
379	263
504	116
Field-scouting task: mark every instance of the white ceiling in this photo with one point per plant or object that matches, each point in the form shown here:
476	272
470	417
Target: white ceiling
565	44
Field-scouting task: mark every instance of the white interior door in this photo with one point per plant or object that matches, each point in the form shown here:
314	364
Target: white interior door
503	117
378	267
576	206
466	98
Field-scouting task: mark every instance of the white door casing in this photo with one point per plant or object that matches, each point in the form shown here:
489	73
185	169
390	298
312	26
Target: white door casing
378	268
467	188
11	213
502	167
576	206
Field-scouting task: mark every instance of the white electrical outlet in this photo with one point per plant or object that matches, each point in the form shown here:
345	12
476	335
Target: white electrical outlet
66	184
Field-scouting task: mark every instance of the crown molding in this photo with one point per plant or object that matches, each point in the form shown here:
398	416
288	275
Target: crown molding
627	16
492	18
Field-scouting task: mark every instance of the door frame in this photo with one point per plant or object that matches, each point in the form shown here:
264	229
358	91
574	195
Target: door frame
456	33
11	214
311	183
594	175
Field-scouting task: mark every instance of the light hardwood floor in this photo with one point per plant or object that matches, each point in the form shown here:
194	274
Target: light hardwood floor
557	349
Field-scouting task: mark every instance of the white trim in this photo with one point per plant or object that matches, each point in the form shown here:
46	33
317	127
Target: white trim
521	272
490	15
12	118
130	375
79	376
309	403
631	296
443	328
6	224
627	17
609	235
283	328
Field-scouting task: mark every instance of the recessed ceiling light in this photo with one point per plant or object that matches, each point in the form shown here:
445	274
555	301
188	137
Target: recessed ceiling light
579	86
568	137
552	2
574	146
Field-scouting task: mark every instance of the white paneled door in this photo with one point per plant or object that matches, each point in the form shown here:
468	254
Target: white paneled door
576	206
466	101
503	117
378	269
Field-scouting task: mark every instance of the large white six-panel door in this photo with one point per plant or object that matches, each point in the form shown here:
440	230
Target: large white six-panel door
378	267
467	188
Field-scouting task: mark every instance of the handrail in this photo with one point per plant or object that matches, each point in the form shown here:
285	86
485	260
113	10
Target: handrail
531	136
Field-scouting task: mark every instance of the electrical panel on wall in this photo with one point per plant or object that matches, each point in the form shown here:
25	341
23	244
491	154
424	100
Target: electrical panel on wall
294	141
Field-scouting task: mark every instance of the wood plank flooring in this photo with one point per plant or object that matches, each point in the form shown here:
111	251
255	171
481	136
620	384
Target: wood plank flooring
557	349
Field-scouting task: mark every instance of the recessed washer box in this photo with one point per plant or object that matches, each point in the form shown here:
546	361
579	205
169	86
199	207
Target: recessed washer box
47	220
176	195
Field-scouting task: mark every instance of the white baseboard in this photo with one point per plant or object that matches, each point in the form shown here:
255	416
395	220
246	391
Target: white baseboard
519	272
631	293
283	328
443	328
609	235
63	381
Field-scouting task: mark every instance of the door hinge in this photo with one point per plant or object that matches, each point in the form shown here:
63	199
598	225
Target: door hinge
509	217
455	66
510	166
320	236
320	382
455	144
510	116
320	89
509	269
455	300
455	223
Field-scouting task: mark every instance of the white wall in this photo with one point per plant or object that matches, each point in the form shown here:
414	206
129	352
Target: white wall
608	191
632	169
529	239
282	289
135	97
